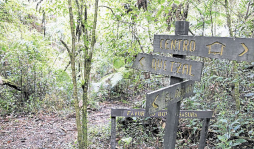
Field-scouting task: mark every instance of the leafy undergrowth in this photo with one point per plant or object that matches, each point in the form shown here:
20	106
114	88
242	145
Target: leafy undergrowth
230	128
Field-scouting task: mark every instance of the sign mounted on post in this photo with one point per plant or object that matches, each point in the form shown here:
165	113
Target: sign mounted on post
191	114
240	49
162	113
160	99
177	67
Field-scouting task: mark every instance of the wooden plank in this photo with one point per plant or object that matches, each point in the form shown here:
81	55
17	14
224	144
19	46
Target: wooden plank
204	133
181	28
160	99
192	114
113	132
172	120
240	49
182	68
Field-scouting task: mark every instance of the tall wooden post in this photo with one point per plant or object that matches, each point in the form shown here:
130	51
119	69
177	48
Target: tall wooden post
204	133
181	28
113	132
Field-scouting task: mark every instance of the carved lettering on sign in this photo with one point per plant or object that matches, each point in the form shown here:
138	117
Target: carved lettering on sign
173	44
178	44
161	43
215	48
135	113
181	68
154	104
140	61
188	69
240	49
185	45
166	43
161	114
245	49
192	46
157	64
169	95
188	114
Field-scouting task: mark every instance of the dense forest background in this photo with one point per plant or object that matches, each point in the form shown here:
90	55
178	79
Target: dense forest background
64	57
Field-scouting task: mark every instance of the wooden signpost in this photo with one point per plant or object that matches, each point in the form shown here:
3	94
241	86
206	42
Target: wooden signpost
172	119
160	99
188	69
161	113
206	115
240	49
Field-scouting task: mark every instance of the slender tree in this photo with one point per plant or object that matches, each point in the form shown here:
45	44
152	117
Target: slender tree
88	50
73	70
236	94
87	69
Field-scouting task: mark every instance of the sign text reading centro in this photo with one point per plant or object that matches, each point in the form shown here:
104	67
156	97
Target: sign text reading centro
178	44
240	49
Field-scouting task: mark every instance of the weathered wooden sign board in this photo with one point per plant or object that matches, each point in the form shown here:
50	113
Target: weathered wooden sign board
191	70
161	113
206	115
240	49
160	99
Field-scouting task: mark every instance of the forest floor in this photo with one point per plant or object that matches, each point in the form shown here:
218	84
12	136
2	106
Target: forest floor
58	129
44	130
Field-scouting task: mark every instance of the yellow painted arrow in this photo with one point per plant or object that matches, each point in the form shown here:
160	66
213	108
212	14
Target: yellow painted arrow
154	104
141	60
245	49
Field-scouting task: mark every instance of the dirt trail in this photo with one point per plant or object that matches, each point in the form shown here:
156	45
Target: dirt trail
48	130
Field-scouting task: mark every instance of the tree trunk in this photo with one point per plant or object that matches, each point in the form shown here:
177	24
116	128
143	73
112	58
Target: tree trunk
228	19
87	71
73	71
236	94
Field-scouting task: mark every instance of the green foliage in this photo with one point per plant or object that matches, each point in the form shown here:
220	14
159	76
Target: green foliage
126	141
231	129
98	134
215	92
38	63
139	132
118	62
27	62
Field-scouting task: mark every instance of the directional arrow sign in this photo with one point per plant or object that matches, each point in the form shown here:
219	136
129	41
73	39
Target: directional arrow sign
182	68
240	49
160	99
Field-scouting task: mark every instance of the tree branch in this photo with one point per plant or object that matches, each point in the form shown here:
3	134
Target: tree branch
70	61
9	83
116	16
94	29
139	43
109	9
65	45
14	86
247	12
